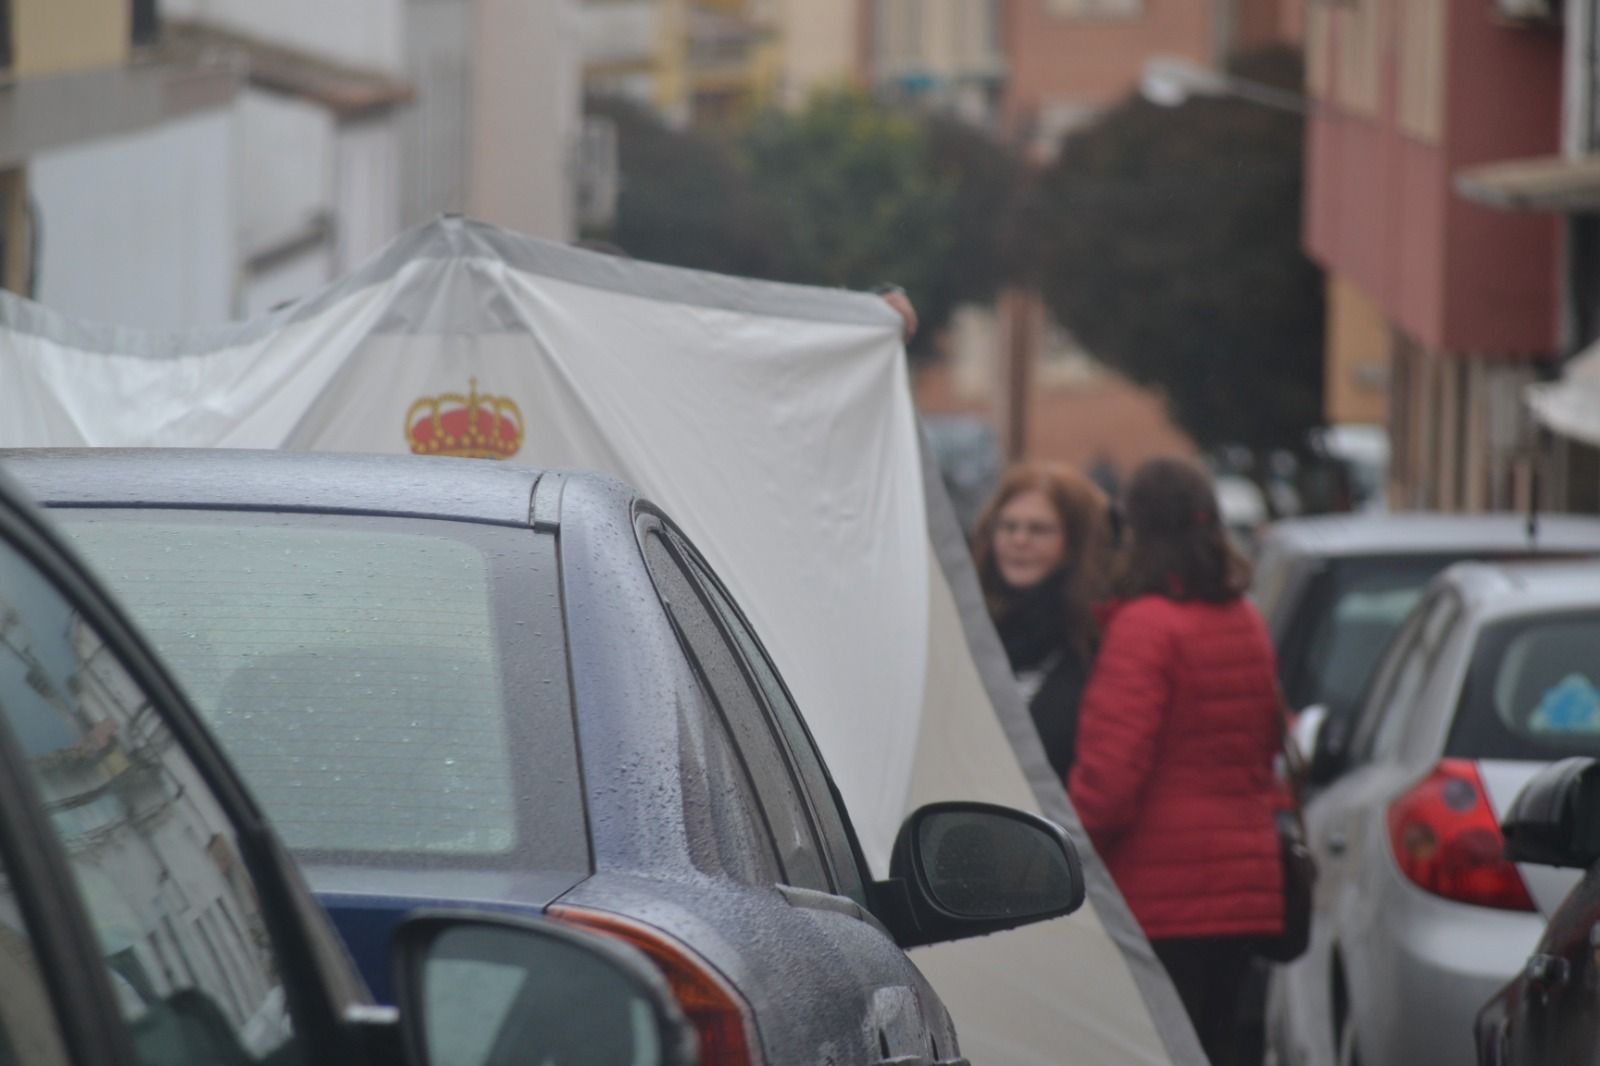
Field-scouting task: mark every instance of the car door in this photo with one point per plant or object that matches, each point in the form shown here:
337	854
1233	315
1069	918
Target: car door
146	915
1345	823
823	878
1312	991
1556	1011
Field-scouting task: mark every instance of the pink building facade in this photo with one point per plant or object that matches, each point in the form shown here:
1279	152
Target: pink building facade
1406	95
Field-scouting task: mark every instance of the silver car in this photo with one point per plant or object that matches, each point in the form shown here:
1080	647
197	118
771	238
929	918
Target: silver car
1419	918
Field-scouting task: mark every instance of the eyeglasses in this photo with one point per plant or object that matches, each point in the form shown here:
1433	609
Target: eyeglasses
1007	527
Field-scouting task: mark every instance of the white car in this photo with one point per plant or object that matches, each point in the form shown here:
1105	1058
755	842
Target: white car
1243	508
1419	918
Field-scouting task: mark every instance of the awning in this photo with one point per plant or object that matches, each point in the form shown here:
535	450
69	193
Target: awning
1571	406
1546	183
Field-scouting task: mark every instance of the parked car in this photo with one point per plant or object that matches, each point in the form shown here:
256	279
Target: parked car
1418	915
1333	589
1550	1011
1243	507
457	681
149	914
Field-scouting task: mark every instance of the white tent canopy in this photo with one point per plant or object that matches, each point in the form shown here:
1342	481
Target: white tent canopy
774	422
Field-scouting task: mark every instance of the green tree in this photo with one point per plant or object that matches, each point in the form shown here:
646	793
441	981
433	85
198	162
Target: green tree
684	200
843	192
1169	243
987	184
854	188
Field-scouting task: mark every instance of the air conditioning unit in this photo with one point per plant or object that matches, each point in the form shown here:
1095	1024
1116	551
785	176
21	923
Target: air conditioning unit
1547	12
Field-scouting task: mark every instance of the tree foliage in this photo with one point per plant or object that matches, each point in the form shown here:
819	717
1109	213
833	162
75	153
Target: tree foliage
843	192
1169	243
684	200
856	192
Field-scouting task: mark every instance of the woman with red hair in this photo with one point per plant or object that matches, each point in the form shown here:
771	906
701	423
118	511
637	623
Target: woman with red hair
1042	550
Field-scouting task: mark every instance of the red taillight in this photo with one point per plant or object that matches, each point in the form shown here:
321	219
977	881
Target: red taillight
1447	841
720	1018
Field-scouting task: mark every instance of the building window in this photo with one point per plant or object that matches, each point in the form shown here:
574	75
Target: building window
145	26
7	55
1421	73
1360	28
897	35
1095	9
1319	51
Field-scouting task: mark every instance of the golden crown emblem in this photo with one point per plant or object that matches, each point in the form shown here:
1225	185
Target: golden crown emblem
474	426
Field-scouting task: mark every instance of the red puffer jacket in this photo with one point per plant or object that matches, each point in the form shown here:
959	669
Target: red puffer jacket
1173	778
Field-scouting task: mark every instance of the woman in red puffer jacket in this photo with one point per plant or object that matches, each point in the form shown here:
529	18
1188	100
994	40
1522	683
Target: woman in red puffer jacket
1178	730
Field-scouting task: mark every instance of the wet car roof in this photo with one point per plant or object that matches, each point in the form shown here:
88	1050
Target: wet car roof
433	487
1424	534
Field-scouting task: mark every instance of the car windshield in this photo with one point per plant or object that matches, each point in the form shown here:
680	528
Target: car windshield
359	671
1356	608
1531	692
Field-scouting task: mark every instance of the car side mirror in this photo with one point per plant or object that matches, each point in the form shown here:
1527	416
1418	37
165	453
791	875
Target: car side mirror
1553	820
1307	727
1330	747
967	869
479	990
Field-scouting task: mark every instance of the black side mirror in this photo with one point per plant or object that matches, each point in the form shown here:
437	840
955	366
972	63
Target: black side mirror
1330	748
1553	820
967	869
476	990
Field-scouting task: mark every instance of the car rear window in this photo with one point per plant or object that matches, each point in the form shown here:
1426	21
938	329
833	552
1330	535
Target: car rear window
1531	691
361	672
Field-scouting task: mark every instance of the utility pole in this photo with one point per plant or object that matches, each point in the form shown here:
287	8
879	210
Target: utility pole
1022	318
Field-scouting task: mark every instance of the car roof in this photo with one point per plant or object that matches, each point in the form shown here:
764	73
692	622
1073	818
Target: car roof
1525	587
1417	533
421	486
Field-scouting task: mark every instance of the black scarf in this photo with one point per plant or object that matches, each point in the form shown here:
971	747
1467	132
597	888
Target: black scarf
1033	623
1033	628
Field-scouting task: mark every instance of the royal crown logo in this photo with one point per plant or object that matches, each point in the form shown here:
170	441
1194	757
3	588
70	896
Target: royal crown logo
474	426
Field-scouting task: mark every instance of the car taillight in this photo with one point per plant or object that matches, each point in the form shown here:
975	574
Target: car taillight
719	1016
1447	841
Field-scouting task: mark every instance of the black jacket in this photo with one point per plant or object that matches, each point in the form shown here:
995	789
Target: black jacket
1033	629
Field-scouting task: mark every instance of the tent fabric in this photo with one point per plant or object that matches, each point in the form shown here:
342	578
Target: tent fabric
1571	405
773	422
993	671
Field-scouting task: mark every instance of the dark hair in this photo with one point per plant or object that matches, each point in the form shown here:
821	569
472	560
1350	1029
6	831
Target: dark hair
1083	510
1175	545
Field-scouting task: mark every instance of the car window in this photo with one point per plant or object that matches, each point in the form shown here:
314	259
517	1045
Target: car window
1272	571
718	794
1353	610
1379	695
153	854
1385	718
394	690
832	820
1531	692
723	672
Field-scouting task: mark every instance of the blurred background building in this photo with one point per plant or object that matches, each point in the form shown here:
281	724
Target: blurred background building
118	165
1069	60
1455	304
1561	187
261	150
182	162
